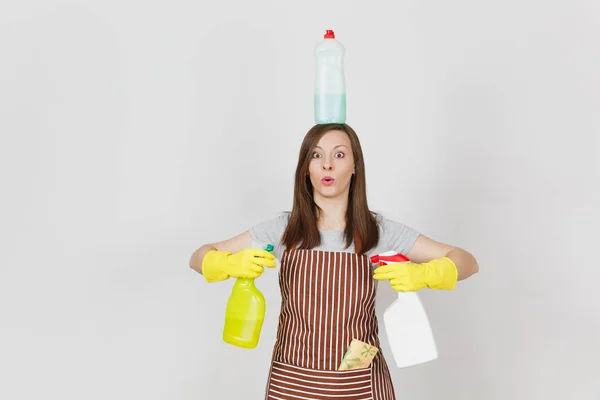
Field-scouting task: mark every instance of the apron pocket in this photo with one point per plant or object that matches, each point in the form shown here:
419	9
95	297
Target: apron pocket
288	382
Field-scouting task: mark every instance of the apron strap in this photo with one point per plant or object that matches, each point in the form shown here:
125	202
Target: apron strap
357	243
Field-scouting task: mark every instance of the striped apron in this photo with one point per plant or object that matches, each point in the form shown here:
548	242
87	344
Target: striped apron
328	299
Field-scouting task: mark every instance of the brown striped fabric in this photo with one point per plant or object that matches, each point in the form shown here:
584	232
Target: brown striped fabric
328	299
289	382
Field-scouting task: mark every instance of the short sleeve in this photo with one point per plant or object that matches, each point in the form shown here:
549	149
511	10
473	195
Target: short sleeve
270	232
397	236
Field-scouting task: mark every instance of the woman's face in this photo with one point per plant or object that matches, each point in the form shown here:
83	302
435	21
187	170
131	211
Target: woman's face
332	165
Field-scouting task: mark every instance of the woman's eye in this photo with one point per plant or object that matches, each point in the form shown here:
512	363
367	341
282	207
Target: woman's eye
338	154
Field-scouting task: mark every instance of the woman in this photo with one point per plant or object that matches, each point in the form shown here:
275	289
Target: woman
327	281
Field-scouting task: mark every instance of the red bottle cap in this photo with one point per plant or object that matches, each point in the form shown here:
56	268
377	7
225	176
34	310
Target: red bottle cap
383	260
329	34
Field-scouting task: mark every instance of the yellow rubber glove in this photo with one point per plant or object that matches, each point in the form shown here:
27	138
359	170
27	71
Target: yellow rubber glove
247	263
440	273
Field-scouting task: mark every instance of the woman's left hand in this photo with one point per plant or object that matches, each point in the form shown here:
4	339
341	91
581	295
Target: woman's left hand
440	273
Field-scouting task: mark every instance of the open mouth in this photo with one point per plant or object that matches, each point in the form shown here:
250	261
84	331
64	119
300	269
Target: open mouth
328	180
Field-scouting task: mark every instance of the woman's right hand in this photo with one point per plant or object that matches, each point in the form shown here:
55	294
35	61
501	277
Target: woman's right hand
246	263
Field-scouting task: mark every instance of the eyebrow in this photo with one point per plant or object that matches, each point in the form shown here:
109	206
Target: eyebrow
339	145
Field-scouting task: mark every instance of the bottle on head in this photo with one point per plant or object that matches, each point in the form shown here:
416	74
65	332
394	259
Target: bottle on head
330	84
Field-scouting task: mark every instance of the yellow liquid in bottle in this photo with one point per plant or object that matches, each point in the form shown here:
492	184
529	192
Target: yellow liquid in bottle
245	315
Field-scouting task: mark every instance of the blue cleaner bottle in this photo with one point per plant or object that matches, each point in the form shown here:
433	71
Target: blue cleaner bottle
330	85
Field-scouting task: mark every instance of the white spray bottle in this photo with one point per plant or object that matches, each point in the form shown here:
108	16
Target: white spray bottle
406	323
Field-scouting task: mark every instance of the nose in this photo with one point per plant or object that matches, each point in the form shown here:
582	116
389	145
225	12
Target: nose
327	166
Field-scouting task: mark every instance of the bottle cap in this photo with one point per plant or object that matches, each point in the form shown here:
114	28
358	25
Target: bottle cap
329	34
389	256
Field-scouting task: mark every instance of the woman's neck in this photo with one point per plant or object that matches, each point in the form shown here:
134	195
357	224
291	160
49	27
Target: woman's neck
332	216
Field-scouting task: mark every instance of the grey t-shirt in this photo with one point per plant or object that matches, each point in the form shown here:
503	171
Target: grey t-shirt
393	236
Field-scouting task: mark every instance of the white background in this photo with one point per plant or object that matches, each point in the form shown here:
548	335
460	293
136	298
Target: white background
134	132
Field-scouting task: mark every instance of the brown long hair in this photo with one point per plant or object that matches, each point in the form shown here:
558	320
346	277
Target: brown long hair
361	224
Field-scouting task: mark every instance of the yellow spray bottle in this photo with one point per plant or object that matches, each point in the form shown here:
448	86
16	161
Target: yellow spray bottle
245	313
